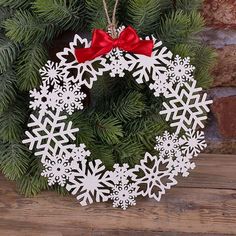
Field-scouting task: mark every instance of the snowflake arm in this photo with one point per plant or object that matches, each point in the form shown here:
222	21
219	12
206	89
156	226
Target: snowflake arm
57	170
167	145
160	85
151	177
144	67
193	142
49	135
78	154
180	71
120	173
116	63
43	99
52	73
182	164
84	70
123	195
186	107
69	97
90	182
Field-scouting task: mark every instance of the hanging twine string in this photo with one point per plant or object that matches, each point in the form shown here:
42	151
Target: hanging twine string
111	22
103	42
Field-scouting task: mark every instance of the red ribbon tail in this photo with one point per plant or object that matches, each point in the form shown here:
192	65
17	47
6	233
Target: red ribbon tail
84	54
87	54
143	47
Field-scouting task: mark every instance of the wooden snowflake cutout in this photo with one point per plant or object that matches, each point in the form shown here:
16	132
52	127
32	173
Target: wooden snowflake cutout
51	136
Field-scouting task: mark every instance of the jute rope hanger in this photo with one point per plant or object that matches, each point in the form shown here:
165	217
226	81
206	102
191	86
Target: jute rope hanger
111	22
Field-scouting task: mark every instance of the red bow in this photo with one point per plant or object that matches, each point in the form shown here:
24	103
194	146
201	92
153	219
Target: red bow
102	43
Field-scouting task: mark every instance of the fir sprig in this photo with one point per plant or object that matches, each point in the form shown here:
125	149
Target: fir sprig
16	3
14	159
8	53
180	27
25	27
31	59
7	89
108	129
12	121
143	19
63	13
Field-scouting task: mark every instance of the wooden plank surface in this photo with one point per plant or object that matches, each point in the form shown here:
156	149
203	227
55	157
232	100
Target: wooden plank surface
202	204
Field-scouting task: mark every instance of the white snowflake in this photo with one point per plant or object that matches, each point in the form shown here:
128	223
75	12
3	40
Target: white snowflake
143	67
52	73
120	173
123	195
69	97
180	71
90	182
57	170
154	176
42	99
50	134
182	164
167	145
116	63
87	72
193	142
78	154
186	107
160	84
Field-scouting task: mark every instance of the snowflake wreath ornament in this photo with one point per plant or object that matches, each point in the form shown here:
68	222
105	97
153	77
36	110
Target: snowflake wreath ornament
66	164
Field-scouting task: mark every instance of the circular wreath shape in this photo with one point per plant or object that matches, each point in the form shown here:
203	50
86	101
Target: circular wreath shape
67	165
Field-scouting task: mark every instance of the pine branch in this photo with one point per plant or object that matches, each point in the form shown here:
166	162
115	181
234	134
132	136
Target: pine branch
128	106
143	15
128	151
63	13
102	152
14	159
86	132
204	60
108	129
28	64
16	3
96	15
102	89
31	183
204	79
5	13
180	28
7	89
12	121
145	129
184	50
27	28
188	5
60	190
205	57
8	53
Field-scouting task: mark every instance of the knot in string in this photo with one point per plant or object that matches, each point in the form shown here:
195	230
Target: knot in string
111	23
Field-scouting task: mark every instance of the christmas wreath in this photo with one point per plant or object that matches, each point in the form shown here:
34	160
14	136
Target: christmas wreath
135	129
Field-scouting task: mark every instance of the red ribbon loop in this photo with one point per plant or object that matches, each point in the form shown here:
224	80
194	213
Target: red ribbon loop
102	43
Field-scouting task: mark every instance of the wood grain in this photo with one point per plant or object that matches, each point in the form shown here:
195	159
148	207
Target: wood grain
203	204
212	171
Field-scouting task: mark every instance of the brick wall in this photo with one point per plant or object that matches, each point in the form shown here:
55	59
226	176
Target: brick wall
220	17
